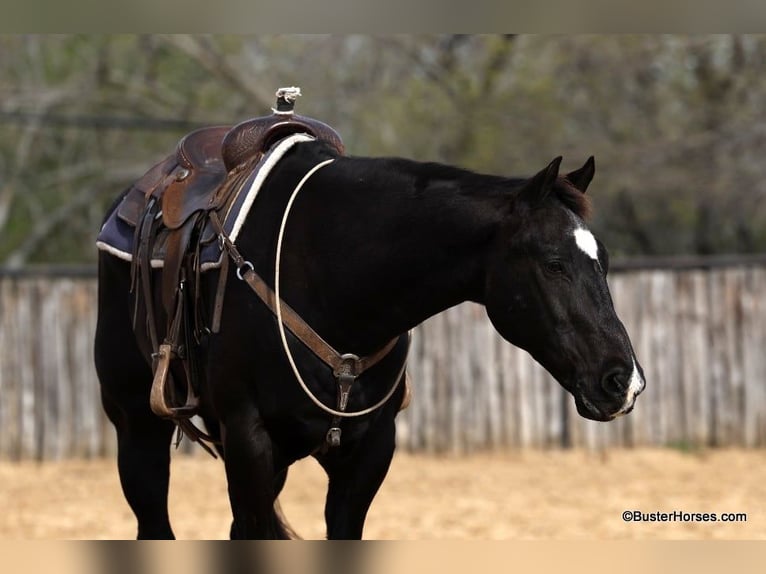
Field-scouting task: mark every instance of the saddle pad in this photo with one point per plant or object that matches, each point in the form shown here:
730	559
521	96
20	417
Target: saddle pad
116	235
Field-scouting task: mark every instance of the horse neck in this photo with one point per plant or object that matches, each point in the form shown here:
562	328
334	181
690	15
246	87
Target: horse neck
394	242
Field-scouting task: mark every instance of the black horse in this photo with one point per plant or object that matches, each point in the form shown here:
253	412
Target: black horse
372	248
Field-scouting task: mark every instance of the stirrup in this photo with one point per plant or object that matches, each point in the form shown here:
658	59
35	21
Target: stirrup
157	400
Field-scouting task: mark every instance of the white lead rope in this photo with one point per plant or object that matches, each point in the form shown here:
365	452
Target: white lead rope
282	334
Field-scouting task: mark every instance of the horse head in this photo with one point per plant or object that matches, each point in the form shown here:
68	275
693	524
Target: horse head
546	292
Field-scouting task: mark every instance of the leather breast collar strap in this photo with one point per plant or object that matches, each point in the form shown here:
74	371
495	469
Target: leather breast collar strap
345	367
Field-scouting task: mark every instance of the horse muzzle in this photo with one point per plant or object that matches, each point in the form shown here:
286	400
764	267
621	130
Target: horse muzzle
614	395
636	385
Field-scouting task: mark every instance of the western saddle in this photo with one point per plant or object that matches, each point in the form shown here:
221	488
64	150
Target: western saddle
173	208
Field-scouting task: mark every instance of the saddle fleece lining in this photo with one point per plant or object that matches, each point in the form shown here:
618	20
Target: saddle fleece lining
116	237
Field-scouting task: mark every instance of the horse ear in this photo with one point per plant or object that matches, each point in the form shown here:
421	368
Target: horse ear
582	177
540	185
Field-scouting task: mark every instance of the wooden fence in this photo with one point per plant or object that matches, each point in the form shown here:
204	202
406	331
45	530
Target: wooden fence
49	396
700	334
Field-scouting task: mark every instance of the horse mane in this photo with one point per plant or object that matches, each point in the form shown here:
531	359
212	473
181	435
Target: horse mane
574	199
563	189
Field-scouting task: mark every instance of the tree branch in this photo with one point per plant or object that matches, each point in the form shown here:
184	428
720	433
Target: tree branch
210	57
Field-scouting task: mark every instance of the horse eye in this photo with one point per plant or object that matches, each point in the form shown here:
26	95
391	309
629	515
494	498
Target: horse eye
554	266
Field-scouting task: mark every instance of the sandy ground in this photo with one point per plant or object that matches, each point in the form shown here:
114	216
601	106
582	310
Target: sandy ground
514	495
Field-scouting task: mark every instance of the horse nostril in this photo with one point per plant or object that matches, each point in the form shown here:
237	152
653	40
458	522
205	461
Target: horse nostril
615	382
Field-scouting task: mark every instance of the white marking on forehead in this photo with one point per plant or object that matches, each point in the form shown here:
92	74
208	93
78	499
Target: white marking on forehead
586	242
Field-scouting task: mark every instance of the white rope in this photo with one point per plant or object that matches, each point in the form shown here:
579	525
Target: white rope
281	326
290	94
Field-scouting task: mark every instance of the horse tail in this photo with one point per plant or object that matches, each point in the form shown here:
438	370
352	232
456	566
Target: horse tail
284	530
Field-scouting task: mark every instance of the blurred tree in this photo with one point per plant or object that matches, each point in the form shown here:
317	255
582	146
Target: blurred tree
674	122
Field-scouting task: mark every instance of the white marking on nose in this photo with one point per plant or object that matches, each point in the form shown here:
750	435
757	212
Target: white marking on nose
635	386
586	242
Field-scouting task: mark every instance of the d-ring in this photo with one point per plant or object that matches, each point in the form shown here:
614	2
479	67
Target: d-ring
241	267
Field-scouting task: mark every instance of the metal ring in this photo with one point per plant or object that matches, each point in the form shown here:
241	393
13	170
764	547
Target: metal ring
241	267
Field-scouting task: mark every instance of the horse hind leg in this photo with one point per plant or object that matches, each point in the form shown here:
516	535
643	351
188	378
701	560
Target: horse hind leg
143	449
143	439
285	531
143	461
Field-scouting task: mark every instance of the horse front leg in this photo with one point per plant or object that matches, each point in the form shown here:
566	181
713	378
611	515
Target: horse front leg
253	481
355	478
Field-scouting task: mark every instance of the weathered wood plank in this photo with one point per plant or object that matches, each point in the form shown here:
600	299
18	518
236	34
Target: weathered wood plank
735	389
719	362
753	363
9	385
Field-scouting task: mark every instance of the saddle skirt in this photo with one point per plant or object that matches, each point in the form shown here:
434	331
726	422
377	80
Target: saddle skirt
117	235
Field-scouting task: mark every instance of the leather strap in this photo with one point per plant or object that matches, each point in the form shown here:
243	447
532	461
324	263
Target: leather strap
296	325
307	335
220	290
143	264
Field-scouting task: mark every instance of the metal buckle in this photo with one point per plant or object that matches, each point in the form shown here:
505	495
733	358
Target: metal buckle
333	437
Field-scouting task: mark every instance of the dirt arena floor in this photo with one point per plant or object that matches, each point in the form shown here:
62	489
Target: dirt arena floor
514	495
